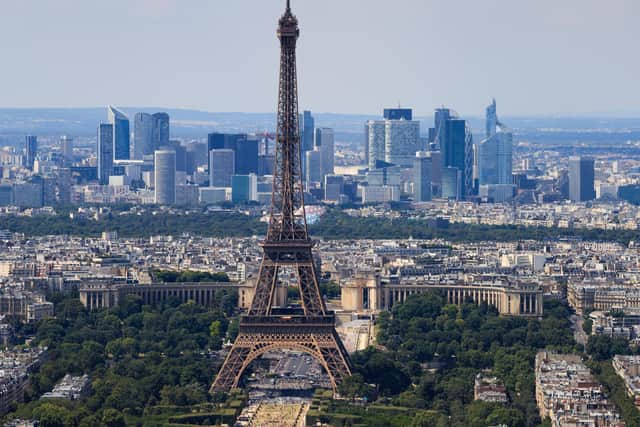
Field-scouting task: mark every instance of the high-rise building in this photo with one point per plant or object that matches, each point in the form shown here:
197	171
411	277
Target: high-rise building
393	140
313	171
244	188
66	144
324	143
376	137
105	152
265	164
454	139
398	114
308	124
422	177
143	143
161	129
221	167
333	187
366	143
492	120
402	140
581	179
121	137
31	150
165	177
495	161
151	132
246	156
451	183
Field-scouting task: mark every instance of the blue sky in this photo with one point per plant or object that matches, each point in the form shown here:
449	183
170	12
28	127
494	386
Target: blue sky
355	56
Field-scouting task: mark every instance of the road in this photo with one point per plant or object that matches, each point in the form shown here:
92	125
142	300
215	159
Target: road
578	333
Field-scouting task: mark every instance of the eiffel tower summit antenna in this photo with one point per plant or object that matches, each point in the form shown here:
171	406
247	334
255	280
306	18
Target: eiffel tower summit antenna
287	246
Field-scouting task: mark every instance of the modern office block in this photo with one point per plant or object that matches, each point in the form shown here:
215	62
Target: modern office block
376	137
497	193
165	177
307	125
6	194
454	140
491	119
221	167
151	132
380	194
265	164
581	179
105	152
244	188
402	140
422	177
494	153
142	135
451	178
213	195
393	140
28	194
66	143
121	136
325	144
313	170
31	150
247	156
333	187
161	129
398	114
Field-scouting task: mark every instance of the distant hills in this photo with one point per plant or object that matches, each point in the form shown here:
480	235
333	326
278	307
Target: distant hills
196	124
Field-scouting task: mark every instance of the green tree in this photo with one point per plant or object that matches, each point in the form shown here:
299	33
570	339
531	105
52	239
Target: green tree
112	418
51	415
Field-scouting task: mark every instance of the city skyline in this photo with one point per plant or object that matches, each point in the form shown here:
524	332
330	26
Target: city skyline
564	75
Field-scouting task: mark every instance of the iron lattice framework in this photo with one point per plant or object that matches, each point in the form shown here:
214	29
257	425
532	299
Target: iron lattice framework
310	329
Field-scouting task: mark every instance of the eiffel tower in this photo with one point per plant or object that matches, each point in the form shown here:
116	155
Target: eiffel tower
310	329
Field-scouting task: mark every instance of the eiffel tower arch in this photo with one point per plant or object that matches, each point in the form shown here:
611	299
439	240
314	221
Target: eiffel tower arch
287	246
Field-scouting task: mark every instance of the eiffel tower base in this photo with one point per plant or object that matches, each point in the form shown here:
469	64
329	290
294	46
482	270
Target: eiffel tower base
314	335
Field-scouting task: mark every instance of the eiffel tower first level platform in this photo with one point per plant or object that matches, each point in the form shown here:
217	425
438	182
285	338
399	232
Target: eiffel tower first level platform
314	335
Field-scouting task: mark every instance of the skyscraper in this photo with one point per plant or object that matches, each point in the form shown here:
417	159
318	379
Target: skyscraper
66	144
495	161
221	167
376	129
454	139
398	114
492	119
333	185
306	130
451	183
142	135
30	150
165	177
393	140
422	177
581	179
324	143
105	152
161	129
246	156
244	188
313	161
151	132
402	140
121	136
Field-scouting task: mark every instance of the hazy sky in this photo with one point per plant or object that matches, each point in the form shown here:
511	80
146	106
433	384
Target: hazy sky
354	56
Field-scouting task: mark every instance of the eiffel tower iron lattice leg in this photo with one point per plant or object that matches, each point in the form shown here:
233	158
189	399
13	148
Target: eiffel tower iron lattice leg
310	329
319	341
